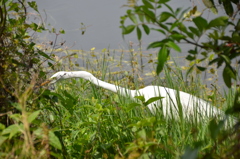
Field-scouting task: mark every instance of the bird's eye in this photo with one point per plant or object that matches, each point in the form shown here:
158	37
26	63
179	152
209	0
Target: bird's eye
63	75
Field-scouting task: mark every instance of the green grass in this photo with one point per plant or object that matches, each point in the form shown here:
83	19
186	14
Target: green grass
94	123
80	120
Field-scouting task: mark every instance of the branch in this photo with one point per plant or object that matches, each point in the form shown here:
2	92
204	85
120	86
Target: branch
196	44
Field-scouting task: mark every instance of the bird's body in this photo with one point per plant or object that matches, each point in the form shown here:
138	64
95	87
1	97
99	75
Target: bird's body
174	101
171	103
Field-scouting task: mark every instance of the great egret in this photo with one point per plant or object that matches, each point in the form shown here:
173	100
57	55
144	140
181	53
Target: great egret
171	103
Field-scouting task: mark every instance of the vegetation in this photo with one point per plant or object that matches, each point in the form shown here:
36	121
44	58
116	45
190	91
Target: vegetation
81	120
22	68
219	45
214	42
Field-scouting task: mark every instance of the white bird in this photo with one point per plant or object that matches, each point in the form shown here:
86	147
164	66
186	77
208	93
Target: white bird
171	102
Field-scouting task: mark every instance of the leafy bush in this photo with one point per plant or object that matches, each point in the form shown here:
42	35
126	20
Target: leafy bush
211	39
214	42
22	69
80	120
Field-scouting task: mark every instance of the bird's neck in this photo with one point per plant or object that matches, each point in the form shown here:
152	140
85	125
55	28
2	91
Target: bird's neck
112	87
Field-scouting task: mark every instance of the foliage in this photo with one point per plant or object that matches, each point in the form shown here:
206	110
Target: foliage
22	70
20	64
79	120
94	123
228	6
216	41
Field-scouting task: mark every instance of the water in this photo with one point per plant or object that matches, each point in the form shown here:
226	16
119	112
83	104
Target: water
102	21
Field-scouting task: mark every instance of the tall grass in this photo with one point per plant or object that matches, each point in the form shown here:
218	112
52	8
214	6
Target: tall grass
94	123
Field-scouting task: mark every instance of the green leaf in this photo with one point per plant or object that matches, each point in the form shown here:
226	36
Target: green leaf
54	141
173	26
163	1
164	27
2	139
44	54
214	10
226	77
141	98
174	46
201	68
33	5
122	19
146	29
190	153
235	37
210	57
190	58
132	106
177	36
2	127
33	116
149	15
195	31
142	134
159	30
190	70
184	29
164	16
162	58
14	6
201	23
232	72
226	58
139	33
133	18
193	51
236	104
147	4
215	128
141	17
128	29
12	130
228	7
153	99
216	60
62	31
155	44
220	21
53	30
208	3
34	26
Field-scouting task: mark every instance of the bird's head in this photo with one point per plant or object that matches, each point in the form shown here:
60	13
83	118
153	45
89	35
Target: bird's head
56	77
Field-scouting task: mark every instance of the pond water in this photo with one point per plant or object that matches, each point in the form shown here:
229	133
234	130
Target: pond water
102	21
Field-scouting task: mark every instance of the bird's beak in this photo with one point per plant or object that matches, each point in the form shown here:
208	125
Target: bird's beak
46	82
50	80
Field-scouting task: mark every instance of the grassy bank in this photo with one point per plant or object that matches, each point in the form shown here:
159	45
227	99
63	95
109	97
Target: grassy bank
94	123
76	119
